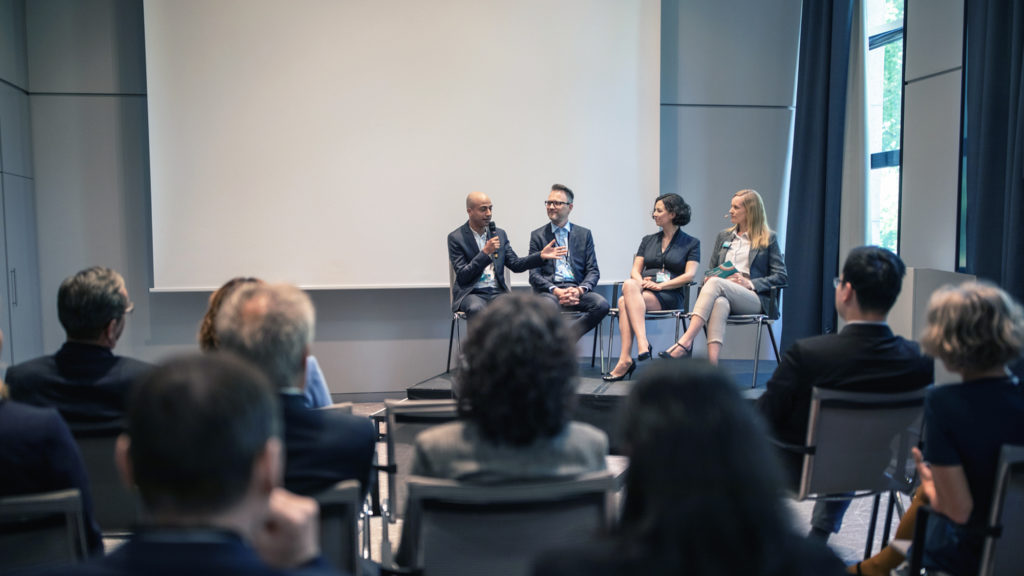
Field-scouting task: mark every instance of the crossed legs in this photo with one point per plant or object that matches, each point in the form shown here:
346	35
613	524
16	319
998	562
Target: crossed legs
718	299
633	304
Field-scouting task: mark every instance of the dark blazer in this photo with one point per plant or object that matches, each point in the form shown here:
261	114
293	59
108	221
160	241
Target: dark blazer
582	258
323	447
194	552
86	383
767	269
862	357
37	454
469	262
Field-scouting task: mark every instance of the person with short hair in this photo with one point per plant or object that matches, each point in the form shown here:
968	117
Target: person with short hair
272	325
84	380
203	448
865	356
570	281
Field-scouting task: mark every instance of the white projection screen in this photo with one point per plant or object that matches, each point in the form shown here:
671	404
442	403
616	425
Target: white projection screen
331	143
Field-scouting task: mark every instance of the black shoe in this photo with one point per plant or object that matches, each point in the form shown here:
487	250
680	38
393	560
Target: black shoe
645	355
667	354
627	374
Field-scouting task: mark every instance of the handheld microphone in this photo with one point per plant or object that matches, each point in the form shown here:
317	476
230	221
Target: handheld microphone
492	232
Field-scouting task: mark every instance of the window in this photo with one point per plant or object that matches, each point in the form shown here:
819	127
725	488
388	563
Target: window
884	22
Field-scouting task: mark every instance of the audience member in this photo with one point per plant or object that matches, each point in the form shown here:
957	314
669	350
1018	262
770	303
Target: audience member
203	447
864	357
703	493
570	281
479	252
84	380
315	392
272	325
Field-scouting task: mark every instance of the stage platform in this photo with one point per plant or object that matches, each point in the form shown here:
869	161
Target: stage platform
598	402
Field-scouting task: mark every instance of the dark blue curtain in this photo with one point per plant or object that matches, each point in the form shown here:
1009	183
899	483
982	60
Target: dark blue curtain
994	39
812	233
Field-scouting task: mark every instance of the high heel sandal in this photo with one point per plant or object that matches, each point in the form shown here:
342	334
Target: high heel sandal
645	355
627	374
687	352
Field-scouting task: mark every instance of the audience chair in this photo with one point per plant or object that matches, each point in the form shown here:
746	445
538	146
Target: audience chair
679	315
41	530
405	420
462	529
1002	554
342	407
340	509
858	444
115	506
454	334
761	321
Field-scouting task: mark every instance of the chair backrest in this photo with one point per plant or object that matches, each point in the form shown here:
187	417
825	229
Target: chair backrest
39	530
860	442
451	285
339	525
342	407
405	420
499	529
115	506
1003	554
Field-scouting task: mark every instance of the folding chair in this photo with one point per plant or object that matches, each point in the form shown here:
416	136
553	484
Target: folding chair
340	509
457	315
39	530
679	315
116	507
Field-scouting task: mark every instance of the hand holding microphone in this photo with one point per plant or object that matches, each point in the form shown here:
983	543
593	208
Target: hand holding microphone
494	242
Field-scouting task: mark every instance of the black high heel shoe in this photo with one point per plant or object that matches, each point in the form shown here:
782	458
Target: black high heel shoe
687	352
645	355
627	374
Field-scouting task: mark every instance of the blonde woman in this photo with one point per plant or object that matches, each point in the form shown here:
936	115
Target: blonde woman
752	248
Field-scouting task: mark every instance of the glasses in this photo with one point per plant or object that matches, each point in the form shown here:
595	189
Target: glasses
837	281
555	203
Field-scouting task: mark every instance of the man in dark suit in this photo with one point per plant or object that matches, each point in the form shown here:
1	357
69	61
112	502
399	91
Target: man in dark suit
84	380
271	325
570	280
478	258
865	356
203	448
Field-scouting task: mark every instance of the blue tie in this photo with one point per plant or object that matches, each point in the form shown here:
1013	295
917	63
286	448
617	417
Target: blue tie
563	272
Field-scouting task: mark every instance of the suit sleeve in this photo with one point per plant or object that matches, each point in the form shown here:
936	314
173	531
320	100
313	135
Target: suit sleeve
514	262
468	268
591	273
779	399
714	260
777	275
540	281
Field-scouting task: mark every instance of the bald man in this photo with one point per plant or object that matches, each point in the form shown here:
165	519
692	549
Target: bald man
479	258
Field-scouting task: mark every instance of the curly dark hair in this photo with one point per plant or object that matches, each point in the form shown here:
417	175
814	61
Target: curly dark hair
675	204
516	380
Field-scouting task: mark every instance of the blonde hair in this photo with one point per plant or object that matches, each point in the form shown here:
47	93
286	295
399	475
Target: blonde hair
973	327
756	225
3	390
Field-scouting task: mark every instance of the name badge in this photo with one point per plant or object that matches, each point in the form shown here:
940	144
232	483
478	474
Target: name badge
488	276
662	276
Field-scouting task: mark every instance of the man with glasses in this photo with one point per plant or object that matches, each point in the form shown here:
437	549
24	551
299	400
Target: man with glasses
479	254
84	380
864	356
569	280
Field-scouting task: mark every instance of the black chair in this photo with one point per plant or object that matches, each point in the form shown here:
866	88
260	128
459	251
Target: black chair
340	509
116	507
41	530
680	315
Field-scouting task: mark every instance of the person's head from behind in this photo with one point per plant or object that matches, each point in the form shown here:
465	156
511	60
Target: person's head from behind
875	275
516	377
701	475
92	305
202	439
208	340
974	328
270	325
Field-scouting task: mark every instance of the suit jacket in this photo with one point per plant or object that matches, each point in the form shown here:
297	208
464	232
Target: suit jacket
469	262
767	269
86	383
155	552
582	259
37	454
323	447
862	357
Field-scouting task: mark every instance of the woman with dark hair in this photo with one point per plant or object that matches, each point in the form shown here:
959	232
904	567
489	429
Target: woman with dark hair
703	492
665	264
749	252
315	392
516	386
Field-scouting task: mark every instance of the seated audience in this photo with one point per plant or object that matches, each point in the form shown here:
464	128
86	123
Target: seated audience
271	325
84	380
703	492
976	329
865	356
203	447
315	393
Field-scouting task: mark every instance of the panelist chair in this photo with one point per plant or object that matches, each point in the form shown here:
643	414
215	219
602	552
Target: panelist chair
458	315
761	320
680	315
41	530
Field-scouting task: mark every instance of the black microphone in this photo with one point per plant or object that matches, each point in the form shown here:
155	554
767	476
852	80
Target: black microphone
492	232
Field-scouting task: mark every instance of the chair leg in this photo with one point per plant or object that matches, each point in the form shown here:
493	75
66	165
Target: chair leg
593	349
888	517
605	368
451	339
775	347
871	527
757	354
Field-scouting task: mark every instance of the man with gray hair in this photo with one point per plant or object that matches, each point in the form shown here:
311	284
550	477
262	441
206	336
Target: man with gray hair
84	380
272	325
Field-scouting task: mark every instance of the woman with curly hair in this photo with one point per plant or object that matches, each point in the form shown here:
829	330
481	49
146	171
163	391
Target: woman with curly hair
516	387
